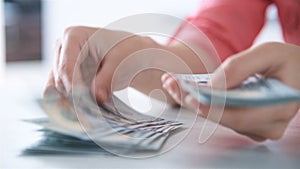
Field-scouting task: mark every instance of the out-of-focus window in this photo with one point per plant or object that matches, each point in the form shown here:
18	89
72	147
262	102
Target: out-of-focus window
22	29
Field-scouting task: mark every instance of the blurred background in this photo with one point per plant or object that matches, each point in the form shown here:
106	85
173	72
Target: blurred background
29	28
28	31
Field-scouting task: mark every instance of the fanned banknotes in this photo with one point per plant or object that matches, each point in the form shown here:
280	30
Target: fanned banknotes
112	126
255	91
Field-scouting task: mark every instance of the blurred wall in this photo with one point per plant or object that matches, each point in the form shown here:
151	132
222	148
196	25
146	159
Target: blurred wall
59	14
2	48
22	30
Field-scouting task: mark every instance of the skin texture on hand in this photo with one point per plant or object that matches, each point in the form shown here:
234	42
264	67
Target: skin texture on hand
114	51
67	50
276	60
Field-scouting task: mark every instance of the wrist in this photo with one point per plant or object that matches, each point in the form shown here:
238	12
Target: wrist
197	59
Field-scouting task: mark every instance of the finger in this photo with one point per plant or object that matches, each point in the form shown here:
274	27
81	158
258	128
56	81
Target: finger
233	120
58	84
52	82
171	85
257	123
68	58
165	76
101	88
273	131
181	97
50	85
73	51
239	67
240	124
57	49
192	103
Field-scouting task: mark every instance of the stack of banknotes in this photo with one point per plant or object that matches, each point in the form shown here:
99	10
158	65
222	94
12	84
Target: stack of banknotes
254	91
79	125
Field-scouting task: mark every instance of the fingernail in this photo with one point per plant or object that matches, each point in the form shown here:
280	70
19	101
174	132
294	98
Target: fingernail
164	77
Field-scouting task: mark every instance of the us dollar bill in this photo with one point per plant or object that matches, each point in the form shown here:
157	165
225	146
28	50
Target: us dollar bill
79	120
254	91
114	125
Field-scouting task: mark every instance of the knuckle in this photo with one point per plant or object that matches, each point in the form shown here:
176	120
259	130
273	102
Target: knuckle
229	65
64	70
273	48
270	45
230	62
58	83
71	29
73	32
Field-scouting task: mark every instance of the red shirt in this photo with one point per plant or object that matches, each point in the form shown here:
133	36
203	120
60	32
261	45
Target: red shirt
232	25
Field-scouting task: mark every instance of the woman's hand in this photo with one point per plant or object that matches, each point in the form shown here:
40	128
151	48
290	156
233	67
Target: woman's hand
276	60
106	48
67	50
120	55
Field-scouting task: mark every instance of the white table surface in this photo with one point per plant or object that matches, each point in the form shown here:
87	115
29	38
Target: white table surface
23	83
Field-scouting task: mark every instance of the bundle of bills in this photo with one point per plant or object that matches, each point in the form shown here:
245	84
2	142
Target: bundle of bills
79	124
55	143
255	91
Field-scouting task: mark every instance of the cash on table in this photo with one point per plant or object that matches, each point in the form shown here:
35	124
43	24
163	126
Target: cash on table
82	126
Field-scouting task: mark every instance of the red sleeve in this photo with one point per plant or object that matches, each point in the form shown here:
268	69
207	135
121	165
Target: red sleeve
231	25
289	16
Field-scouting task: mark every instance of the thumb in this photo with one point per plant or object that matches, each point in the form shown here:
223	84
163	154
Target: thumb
242	65
50	85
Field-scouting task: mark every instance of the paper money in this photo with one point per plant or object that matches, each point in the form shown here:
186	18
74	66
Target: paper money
57	143
255	91
113	125
79	120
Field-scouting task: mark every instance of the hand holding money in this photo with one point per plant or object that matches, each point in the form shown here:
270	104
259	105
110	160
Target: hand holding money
88	127
272	60
106	50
